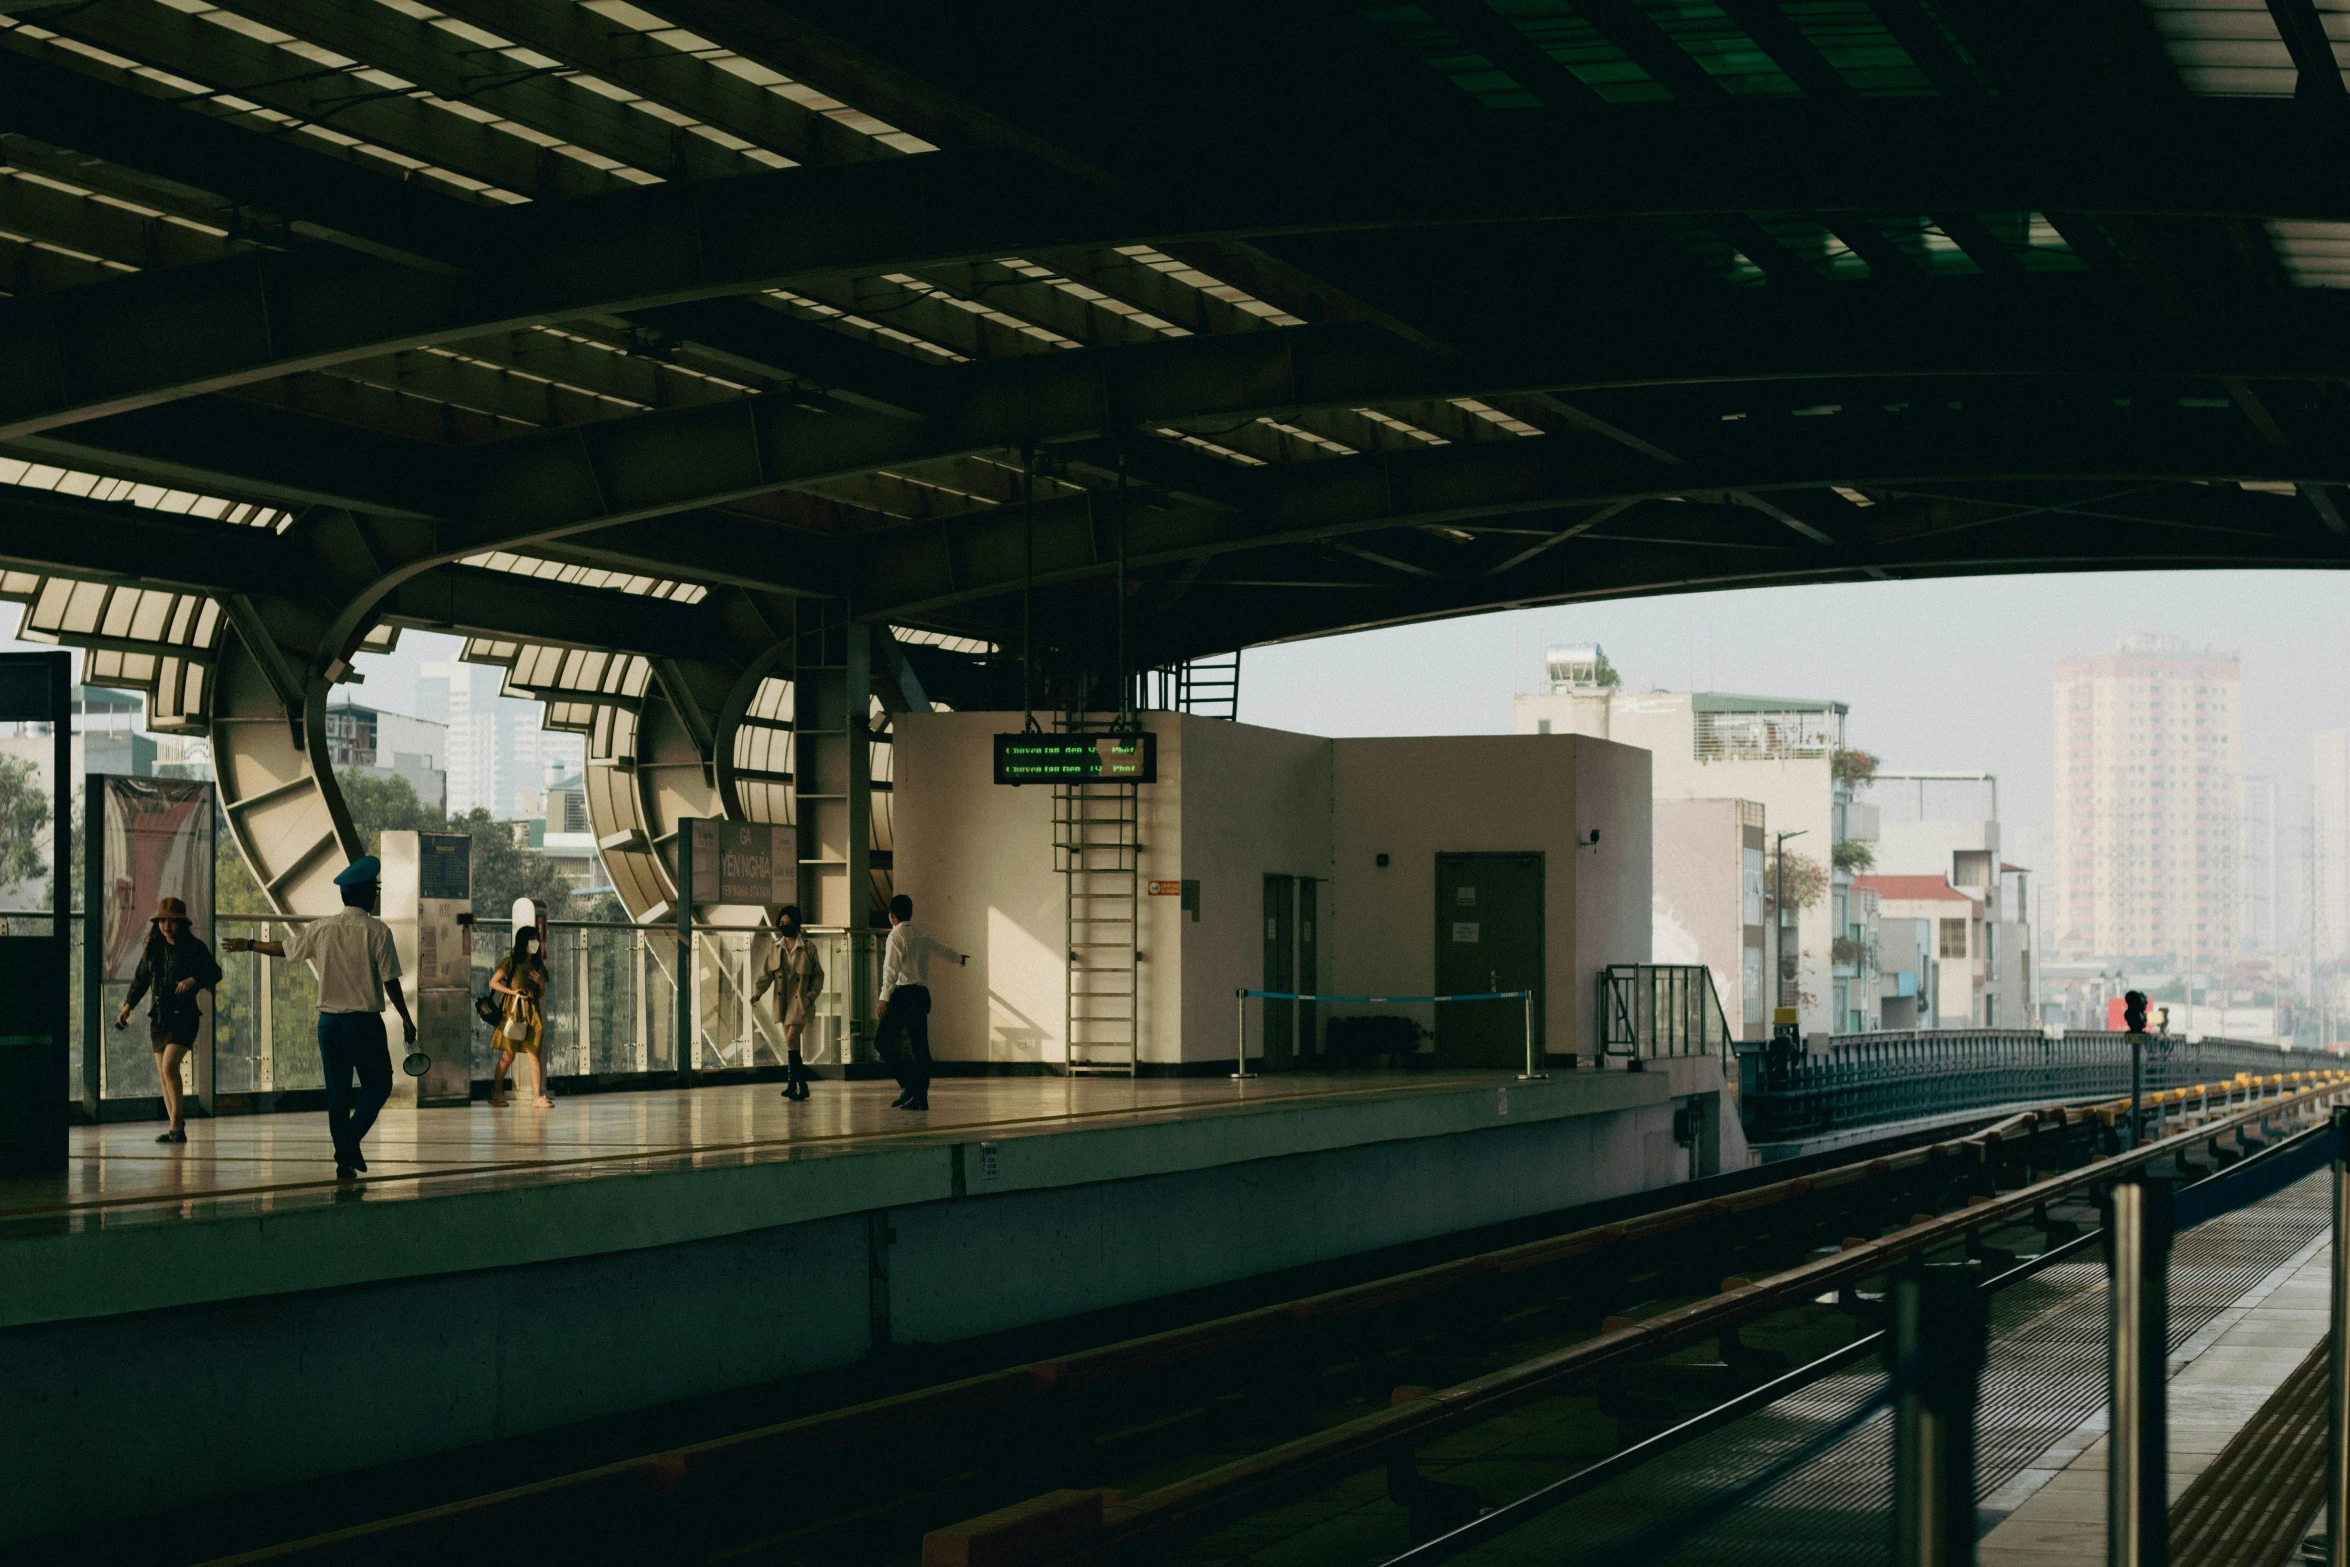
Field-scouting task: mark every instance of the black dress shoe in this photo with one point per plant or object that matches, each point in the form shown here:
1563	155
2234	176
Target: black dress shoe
344	1172
899	1103
175	1135
918	1102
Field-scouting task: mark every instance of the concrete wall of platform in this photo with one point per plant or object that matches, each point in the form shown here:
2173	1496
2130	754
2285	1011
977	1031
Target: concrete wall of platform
279	1346
1233	804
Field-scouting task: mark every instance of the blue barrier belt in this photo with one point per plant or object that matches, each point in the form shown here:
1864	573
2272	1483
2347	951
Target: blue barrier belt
1481	995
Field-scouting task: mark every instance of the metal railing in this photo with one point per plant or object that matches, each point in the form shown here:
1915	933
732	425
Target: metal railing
609	1010
1652	1010
1876	1079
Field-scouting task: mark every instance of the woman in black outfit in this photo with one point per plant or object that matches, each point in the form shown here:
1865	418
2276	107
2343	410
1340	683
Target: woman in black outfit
175	966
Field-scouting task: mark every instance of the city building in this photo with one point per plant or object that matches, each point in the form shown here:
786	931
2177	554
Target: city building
1854	1001
1950	928
1707	897
564	835
1907	971
2149	806
499	756
2257	916
1781	753
2329	810
1946	825
369	742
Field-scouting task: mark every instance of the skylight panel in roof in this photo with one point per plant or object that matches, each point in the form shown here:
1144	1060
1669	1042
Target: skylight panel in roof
1214	287
1597	63
1494	416
915	636
1320	443
590	576
1810	239
662	32
2316	255
2034	241
915	285
1715	42
1849	35
1092	296
147	497
1206	445
204	94
1421	33
1401	426
2231	48
1713	253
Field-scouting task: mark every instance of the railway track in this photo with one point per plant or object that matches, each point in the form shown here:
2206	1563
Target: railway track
1573	1345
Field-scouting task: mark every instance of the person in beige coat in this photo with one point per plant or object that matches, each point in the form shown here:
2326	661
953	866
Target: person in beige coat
798	979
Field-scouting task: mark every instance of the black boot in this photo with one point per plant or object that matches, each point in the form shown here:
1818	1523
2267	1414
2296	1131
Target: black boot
795	1079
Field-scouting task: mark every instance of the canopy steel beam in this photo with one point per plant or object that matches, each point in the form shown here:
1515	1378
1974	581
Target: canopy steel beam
1970	540
124	343
924	570
351	205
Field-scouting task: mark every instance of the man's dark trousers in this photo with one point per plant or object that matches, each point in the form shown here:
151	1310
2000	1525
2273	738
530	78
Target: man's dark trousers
904	1038
348	1043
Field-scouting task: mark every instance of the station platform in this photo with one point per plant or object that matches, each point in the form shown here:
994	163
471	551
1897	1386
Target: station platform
509	1270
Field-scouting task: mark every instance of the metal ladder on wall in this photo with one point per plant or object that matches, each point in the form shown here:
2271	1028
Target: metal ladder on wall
1098	849
1209	687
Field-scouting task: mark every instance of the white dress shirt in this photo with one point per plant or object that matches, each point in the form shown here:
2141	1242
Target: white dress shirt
353	954
906	960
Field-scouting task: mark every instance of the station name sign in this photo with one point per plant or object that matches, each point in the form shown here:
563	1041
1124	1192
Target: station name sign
1077	758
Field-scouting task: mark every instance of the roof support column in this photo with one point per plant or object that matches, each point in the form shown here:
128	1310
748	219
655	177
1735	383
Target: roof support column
832	794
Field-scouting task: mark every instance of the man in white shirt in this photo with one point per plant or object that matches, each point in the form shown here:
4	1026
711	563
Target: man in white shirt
357	968
904	1036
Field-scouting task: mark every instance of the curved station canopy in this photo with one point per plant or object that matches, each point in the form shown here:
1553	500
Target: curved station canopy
672	351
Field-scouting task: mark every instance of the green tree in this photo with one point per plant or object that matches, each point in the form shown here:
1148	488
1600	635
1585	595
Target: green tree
381	804
1807	880
24	821
504	869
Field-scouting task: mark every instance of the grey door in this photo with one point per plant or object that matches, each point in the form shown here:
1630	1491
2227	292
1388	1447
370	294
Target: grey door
1488	937
1280	972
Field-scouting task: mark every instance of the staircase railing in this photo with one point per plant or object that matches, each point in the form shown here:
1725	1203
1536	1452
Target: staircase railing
1652	1010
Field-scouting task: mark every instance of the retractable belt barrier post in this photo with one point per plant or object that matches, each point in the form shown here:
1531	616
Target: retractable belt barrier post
1532	1074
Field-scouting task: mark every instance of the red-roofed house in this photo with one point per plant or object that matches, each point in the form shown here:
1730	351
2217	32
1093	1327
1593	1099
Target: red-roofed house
1931	951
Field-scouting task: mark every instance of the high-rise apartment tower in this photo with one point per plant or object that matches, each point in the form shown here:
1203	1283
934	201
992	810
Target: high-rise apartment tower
2149	806
2329	805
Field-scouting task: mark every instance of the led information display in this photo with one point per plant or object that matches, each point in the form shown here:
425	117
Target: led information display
1076	758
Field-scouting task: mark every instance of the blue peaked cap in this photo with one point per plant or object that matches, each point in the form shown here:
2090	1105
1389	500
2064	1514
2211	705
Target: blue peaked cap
366	868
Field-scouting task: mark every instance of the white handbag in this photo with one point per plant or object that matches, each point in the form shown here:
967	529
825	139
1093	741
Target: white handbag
514	1027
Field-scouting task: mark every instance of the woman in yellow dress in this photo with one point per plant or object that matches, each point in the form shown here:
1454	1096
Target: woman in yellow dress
521	977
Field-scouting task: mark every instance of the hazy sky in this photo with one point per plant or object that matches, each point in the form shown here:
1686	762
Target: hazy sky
1950	674
1954	675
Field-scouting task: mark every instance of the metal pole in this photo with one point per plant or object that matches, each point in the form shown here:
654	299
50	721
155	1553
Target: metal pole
684	985
2137	1084
2137	1502
1533	1072
2337	1553
1938	1336
1240	1037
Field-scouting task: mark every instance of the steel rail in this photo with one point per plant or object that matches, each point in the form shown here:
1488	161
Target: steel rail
1503	1519
1201	1499
556	1501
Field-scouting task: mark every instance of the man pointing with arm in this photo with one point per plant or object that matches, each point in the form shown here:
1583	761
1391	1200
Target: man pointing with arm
357	968
905	1003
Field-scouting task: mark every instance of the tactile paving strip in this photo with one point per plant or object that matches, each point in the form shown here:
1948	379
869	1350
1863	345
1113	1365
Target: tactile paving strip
2045	1375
